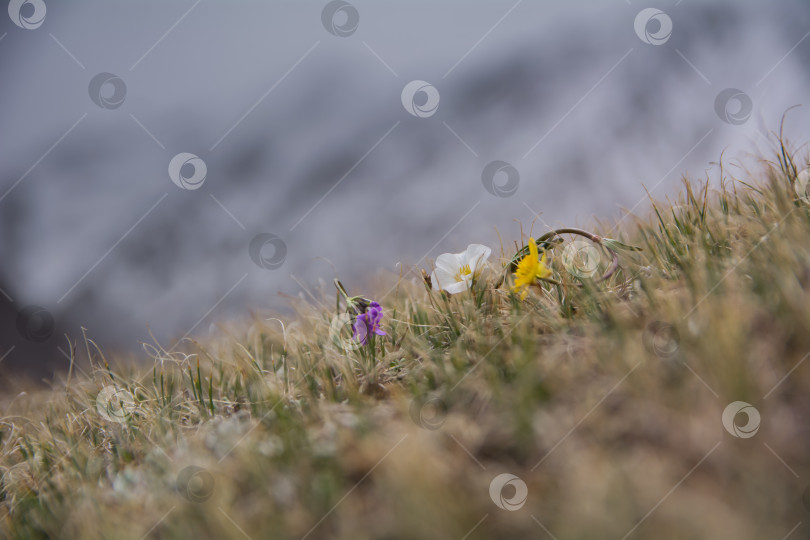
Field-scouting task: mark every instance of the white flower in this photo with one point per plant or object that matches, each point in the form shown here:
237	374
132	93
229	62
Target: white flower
455	271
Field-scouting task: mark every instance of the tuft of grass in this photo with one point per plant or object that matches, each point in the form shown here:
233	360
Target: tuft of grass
604	397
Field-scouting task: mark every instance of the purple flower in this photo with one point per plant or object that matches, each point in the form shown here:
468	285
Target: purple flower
368	322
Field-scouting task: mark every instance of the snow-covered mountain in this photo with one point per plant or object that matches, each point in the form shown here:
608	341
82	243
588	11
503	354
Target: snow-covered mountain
319	155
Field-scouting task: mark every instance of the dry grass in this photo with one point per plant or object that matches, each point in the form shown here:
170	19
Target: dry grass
604	398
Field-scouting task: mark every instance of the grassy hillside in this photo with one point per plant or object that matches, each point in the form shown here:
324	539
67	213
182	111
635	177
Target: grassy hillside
601	400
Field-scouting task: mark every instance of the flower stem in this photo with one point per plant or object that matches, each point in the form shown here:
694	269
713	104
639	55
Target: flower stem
547	239
341	289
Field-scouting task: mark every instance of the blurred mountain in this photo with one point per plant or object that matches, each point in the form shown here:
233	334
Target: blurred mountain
304	136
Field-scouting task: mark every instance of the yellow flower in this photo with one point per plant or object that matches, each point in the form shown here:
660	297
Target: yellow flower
529	269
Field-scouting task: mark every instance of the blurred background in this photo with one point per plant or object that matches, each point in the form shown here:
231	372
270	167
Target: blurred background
167	165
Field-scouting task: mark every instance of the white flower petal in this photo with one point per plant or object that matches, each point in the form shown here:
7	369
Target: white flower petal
449	262
457	287
441	278
476	255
